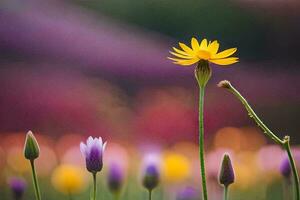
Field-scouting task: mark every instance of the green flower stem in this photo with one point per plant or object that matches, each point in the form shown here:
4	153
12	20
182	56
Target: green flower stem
285	143
117	196
225	192
253	115
150	194
95	186
70	196
201	142
293	165
35	181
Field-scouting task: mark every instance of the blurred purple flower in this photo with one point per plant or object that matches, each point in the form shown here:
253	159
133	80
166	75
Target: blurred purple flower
151	177
285	168
115	178
187	193
93	152
18	186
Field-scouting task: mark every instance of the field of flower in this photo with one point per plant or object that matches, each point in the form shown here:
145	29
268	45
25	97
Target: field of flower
149	100
63	175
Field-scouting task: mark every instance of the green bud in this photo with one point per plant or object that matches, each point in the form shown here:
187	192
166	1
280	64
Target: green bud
203	72
226	175
31	147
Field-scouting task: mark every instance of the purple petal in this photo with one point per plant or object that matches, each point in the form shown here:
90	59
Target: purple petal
83	149
89	142
104	146
94	161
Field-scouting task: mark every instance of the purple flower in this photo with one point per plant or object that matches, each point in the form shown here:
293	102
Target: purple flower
151	177
18	186
187	193
93	152
285	168
115	178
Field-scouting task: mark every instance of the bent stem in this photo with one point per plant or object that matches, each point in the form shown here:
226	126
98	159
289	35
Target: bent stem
293	165
95	185
201	142
253	115
285	143
35	181
225	192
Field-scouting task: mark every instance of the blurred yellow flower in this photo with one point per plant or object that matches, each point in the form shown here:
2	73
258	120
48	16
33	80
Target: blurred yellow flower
16	160
246	170
203	51
176	167
69	179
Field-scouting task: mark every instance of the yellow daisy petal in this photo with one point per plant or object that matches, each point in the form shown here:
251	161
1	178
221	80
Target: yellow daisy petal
186	48
180	55
213	47
225	53
225	61
203	44
176	59
180	51
195	44
187	62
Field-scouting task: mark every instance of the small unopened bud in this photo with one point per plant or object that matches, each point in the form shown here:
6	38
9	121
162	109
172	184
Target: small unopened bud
203	73
224	84
115	178
285	168
151	177
17	186
226	175
31	147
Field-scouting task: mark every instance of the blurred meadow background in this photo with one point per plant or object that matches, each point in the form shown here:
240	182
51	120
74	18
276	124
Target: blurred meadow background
74	68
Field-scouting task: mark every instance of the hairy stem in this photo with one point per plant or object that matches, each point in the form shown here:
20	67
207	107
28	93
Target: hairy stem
253	115
293	165
201	142
285	143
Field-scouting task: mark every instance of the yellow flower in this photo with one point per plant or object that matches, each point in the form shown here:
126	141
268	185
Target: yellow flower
176	167
204	51
69	179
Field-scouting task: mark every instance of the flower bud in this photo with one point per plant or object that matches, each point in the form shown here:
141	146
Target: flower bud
224	84
31	147
203	72
115	178
17	186
226	175
151	177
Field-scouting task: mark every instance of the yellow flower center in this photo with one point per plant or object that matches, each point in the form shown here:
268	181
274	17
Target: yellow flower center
205	55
